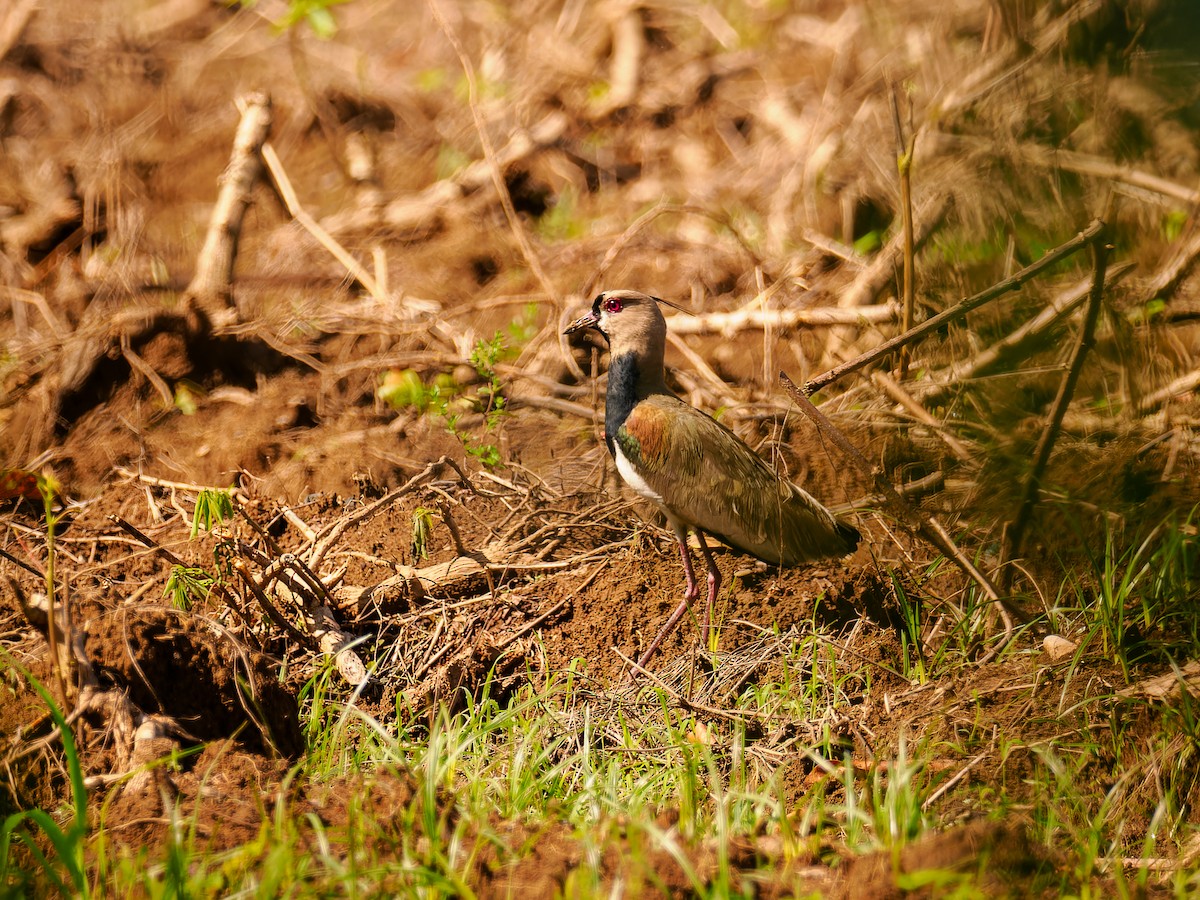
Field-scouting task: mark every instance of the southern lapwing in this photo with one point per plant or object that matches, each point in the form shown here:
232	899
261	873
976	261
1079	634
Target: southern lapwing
698	472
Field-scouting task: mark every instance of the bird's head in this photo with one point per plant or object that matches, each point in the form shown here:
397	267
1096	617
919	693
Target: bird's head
629	321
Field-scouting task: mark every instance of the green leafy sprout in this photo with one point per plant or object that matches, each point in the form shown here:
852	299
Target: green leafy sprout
445	397
422	528
316	14
212	508
188	584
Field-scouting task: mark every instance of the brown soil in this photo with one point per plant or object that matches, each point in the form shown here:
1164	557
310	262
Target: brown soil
115	137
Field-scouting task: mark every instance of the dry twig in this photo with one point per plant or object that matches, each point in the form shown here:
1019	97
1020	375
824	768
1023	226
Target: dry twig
753	315
1012	283
211	285
292	202
1163	284
331	534
1184	384
939	384
921	414
1014	531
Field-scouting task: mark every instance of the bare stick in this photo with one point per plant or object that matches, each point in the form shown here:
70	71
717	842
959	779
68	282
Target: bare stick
1084	164
931	483
697	362
214	267
297	584
268	607
4	554
632	230
18	295
146	541
1085	237
904	158
1165	281
461	547
927	527
753	315
943	381
323	237
144	368
339	644
1010	544
1184	384
329	535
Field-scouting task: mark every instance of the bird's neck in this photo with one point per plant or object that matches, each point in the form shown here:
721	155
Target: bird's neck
631	377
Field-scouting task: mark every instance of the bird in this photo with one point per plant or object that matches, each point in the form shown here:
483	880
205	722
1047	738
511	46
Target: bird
699	473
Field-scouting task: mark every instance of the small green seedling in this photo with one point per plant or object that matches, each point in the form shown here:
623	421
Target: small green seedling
316	14
212	508
406	389
422	529
186	585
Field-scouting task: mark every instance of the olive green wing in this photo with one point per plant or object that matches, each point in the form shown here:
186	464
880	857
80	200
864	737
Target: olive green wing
711	480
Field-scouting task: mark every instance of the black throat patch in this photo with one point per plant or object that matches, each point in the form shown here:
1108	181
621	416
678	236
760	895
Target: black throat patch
621	397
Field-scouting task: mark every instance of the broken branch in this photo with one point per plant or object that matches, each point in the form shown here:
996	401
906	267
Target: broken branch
211	285
1010	544
1085	237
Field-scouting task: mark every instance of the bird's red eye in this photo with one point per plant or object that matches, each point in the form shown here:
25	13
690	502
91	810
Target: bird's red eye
612	304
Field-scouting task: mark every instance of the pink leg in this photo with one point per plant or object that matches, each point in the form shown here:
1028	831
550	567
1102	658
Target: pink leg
691	592
714	586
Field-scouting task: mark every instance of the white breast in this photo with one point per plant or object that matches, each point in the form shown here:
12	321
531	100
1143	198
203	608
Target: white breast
632	478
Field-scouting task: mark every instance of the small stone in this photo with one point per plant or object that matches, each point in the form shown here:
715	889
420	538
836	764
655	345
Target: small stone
1057	647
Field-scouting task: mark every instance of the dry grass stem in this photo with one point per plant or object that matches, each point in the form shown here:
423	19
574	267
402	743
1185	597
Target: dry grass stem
292	203
904	164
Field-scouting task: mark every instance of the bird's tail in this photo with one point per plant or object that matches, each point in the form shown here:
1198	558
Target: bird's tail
810	532
848	533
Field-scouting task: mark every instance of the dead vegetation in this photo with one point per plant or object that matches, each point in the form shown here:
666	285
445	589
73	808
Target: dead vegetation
341	302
